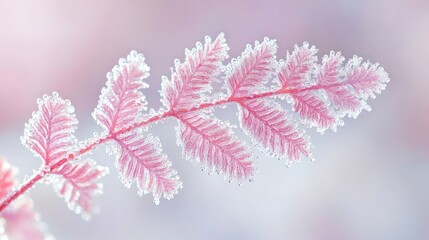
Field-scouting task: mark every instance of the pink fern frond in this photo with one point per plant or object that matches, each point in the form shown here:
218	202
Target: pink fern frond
348	87
313	110
191	79
296	71
18	220
294	74
76	182
211	143
49	133
139	159
366	79
7	180
247	74
330	77
269	125
121	101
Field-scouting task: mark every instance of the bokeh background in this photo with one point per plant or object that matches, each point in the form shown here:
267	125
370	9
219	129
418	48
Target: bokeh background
370	179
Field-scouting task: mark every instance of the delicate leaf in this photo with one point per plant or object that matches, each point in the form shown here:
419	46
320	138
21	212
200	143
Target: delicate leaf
77	183
329	76
267	122
296	71
140	159
247	74
121	102
191	79
49	133
295	76
211	143
366	79
313	110
7	180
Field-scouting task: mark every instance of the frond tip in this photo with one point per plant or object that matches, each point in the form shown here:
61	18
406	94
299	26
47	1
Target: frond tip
192	78
121	103
49	133
248	74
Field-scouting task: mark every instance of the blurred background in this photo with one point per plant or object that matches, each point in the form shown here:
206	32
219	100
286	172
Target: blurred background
370	179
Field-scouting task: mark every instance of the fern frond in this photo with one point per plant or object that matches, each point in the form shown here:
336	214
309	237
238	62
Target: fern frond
76	182
49	133
330	75
191	79
139	159
366	79
121	103
296	71
321	94
247	74
313	110
212	144
295	74
269	125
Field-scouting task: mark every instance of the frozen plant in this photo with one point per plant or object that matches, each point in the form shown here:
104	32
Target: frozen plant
321	95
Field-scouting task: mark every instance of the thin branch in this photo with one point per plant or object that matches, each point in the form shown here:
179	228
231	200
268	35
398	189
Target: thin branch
44	171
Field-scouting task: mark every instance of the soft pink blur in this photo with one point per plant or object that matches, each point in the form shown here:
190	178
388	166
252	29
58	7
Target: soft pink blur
369	180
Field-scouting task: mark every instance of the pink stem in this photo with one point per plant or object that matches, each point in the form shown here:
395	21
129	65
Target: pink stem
38	176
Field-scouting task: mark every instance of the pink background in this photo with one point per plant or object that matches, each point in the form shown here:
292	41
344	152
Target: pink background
370	180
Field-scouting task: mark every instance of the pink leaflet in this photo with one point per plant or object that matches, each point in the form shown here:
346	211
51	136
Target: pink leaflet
191	79
268	123
139	159
21	222
7	180
121	102
296	71
330	77
295	75
212	144
247	74
49	133
365	78
77	183
313	110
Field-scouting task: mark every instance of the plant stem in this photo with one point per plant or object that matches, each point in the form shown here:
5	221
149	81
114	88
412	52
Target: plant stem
44	171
